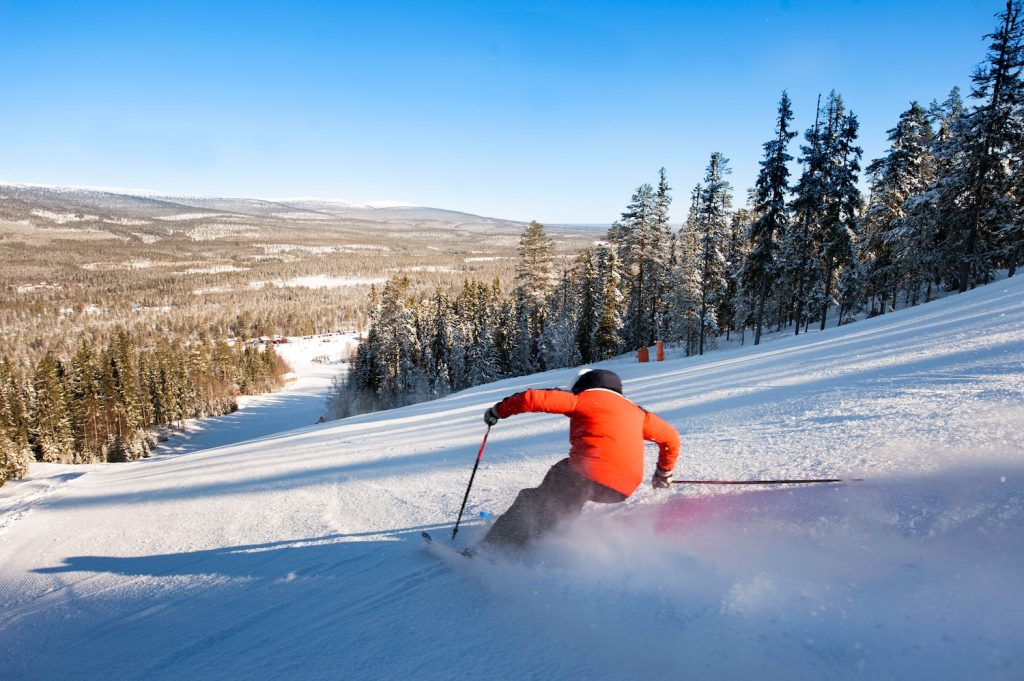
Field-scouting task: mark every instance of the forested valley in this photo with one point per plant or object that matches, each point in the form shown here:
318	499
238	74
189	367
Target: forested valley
123	316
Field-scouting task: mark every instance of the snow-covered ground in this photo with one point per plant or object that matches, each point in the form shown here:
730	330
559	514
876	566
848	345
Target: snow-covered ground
297	555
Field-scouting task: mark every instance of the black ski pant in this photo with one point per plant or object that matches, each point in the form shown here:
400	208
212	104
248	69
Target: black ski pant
537	510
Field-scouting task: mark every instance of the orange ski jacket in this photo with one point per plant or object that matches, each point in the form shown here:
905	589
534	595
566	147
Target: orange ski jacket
606	433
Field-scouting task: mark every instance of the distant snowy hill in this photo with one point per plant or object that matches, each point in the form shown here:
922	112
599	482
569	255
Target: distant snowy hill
297	555
72	206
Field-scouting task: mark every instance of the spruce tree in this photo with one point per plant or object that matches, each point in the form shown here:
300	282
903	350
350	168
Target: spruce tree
837	229
461	339
558	340
87	401
440	325
685	300
608	340
660	255
52	435
772	188
734	308
125	400
897	247
15	450
589	294
638	240
928	227
396	350
481	359
504	334
534	280
524	360
809	208
991	131
712	223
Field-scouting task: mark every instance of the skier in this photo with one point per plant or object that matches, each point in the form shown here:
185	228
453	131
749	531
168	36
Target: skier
605	463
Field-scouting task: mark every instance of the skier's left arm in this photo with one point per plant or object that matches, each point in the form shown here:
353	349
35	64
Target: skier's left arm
657	430
550	401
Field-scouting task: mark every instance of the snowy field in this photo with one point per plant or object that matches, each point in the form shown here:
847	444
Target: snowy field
297	555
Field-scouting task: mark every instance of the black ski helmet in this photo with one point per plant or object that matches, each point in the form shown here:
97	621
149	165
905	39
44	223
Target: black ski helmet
597	378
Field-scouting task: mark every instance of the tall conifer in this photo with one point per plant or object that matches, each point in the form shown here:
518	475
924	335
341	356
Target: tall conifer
772	188
712	223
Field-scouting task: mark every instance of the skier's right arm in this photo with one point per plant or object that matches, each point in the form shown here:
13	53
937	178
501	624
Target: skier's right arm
658	430
547	401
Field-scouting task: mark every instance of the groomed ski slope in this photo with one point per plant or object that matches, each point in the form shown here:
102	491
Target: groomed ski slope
297	555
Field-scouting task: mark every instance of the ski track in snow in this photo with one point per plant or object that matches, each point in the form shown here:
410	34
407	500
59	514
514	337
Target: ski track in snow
297	554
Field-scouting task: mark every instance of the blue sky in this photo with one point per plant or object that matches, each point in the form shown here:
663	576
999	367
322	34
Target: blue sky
551	111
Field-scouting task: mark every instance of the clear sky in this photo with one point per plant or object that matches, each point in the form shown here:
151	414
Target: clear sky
545	110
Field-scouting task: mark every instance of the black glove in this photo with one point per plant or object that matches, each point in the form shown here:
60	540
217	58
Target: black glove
662	479
491	416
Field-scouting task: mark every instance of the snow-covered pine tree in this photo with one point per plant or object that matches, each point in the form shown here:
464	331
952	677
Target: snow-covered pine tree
734	308
637	238
504	331
130	440
15	458
930	217
392	347
608	340
558	340
52	435
180	401
991	132
467	307
481	359
87	404
808	206
522	342
837	229
439	323
153	382
15	450
589	294
495	301
422	314
896	248
461	341
685	298
188	368
661	255
851	289
762	266
1010	236
534	280
712	224
224	376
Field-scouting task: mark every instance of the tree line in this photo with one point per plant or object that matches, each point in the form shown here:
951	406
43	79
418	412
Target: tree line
104	402
945	210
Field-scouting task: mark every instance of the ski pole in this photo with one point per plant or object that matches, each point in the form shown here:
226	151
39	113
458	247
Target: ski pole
762	482
479	455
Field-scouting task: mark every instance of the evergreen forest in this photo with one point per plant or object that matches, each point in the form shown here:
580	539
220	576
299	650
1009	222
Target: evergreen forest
104	403
943	212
